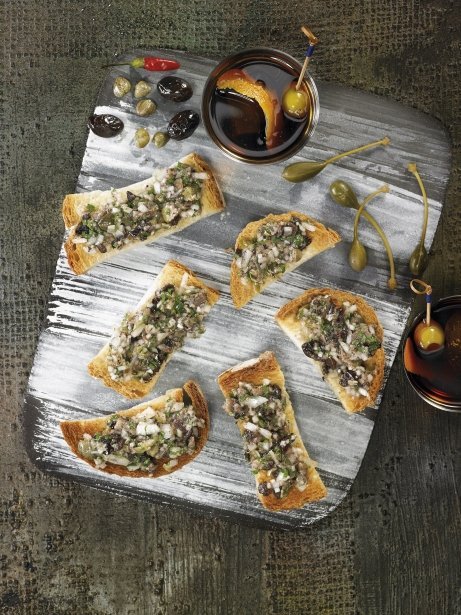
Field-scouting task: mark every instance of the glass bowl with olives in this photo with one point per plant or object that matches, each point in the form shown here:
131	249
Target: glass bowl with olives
432	360
244	106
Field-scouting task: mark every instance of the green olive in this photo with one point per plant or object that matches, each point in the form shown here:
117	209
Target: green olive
295	103
121	87
141	89
160	139
141	137
146	107
357	256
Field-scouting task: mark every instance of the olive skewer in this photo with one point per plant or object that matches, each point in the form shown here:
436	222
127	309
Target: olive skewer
302	171
419	257
343	194
295	101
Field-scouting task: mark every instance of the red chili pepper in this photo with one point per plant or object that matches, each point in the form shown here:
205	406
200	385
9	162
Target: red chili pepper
150	63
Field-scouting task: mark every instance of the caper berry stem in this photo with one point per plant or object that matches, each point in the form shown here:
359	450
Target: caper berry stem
413	169
384	141
392	282
366	200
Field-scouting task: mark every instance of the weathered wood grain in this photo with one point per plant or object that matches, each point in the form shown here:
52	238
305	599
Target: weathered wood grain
63	548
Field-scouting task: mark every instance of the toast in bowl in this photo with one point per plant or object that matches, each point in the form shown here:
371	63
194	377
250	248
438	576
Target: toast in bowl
103	223
256	397
173	309
343	337
152	439
272	246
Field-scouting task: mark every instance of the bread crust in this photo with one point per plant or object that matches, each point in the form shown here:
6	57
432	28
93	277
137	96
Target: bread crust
171	273
286	318
74	206
73	430
323	238
254	372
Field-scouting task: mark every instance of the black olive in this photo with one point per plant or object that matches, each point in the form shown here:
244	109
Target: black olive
346	376
135	232
239	413
276	391
308	349
130	196
175	89
81	228
328	365
264	488
105	125
86	216
183	124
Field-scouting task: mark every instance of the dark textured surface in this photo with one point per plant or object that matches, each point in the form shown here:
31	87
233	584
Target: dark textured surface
393	546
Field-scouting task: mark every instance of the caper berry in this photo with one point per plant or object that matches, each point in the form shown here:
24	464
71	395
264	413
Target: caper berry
121	87
160	139
141	137
141	89
145	107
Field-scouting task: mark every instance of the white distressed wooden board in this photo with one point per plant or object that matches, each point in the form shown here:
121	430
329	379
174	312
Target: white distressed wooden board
83	310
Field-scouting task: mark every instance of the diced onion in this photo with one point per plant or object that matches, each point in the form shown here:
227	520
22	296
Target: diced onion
255	402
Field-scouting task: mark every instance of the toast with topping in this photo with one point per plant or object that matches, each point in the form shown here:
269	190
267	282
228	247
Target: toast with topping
343	337
173	309
268	248
150	440
103	223
256	397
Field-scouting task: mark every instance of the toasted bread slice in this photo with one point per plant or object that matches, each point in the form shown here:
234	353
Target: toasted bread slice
74	206
73	430
254	372
172	273
286	318
322	238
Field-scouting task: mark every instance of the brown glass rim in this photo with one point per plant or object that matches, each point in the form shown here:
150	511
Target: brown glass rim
262	53
452	406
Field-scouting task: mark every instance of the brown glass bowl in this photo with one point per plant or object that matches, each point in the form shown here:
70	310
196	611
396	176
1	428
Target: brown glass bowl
288	65
429	392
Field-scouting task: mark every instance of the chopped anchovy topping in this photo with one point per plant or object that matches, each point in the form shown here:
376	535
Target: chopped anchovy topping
275	245
164	202
342	341
268	441
145	440
145	338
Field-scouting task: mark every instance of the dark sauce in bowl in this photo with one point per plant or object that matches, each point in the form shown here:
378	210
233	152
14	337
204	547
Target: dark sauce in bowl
237	122
440	385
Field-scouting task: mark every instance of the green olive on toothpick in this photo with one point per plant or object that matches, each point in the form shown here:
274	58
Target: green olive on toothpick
295	100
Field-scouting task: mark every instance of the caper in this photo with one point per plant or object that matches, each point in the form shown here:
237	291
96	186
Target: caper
145	107
160	139
301	171
141	89
358	257
141	137
344	195
121	87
